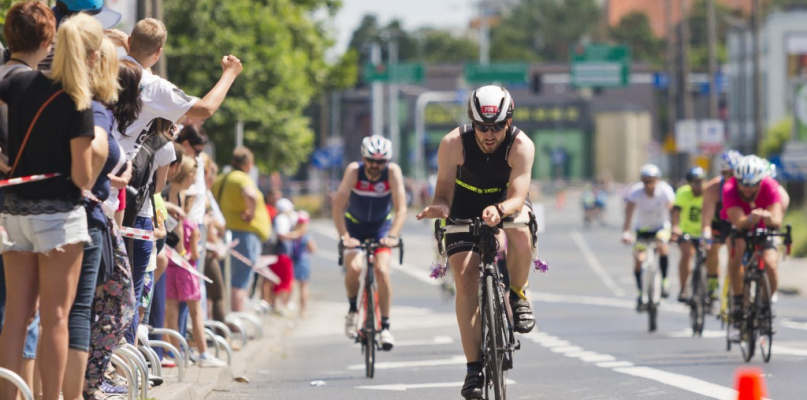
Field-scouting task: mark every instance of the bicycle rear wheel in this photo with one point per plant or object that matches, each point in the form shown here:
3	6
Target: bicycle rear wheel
653	289
748	331
495	343
369	333
765	318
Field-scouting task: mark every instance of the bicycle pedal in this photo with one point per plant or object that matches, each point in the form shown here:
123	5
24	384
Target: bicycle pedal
518	345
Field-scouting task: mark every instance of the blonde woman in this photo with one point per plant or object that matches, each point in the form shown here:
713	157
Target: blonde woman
45	223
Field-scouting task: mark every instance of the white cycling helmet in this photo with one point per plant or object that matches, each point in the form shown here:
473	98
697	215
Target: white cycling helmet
649	171
751	170
376	147
490	105
730	160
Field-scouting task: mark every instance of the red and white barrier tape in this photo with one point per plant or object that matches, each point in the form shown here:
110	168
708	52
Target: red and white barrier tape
26	179
137	234
182	262
220	249
261	268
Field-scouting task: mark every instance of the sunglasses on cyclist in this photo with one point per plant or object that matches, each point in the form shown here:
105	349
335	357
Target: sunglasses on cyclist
374	161
749	185
492	128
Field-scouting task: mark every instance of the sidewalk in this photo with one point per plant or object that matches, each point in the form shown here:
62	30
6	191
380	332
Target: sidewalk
198	383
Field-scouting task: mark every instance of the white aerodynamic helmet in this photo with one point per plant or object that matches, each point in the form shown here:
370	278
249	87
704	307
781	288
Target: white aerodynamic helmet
376	147
490	105
751	170
649	171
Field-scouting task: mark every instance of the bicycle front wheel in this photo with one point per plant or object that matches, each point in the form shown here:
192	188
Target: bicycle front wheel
748	331
495	347
697	304
765	318
369	333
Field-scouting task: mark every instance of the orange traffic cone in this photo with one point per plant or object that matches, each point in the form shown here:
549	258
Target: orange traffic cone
750	385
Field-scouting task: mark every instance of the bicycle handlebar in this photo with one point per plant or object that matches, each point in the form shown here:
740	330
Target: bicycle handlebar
370	245
764	233
475	226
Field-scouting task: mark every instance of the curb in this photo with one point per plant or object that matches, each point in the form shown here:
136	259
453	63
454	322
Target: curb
200	382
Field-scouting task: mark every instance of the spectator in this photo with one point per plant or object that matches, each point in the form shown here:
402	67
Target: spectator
59	142
280	293
214	221
181	285
245	214
301	250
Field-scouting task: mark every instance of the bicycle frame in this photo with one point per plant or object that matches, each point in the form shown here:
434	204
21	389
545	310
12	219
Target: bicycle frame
651	278
370	311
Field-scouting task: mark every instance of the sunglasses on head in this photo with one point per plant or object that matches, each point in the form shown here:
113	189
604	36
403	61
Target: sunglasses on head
493	128
374	161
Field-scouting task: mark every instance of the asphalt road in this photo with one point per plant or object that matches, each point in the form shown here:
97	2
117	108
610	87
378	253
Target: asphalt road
590	344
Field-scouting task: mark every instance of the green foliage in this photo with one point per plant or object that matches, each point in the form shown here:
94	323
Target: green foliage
634	30
282	48
543	30
797	218
776	136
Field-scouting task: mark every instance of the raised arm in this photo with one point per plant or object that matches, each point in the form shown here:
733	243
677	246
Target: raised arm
208	105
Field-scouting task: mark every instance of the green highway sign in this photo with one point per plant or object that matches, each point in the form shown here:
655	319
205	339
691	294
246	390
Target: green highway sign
600	65
498	72
395	73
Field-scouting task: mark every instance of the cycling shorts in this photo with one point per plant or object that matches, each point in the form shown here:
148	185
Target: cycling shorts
460	242
720	230
375	232
663	235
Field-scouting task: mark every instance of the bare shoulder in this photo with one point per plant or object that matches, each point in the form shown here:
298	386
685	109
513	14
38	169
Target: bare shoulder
452	139
352	172
395	169
523	142
451	147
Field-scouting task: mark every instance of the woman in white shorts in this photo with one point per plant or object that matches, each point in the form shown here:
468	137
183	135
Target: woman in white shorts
45	224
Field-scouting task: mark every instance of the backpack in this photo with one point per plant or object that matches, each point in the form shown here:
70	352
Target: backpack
139	189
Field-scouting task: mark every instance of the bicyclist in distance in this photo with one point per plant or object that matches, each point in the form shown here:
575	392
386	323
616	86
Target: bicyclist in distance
484	171
686	219
715	229
751	199
362	207
652	199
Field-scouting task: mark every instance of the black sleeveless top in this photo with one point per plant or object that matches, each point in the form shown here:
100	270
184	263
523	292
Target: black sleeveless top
482	179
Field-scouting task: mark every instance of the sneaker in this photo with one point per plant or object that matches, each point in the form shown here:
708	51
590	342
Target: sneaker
109	388
386	339
211	362
665	288
168	362
472	388
350	324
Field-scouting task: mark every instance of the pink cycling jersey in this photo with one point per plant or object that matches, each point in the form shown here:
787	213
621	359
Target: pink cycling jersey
768	195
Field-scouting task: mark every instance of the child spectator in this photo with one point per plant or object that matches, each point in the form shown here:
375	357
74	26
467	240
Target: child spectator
301	249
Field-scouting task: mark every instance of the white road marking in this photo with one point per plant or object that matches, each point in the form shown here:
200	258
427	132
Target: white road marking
791	351
595	265
437	340
608	361
604	302
789	323
402	387
684	382
457	360
711	334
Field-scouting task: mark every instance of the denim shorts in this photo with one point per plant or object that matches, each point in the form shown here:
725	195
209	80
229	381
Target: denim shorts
41	233
31	340
249	244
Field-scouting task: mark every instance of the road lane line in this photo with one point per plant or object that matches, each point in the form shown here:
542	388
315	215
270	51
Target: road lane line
402	387
412	364
789	323
607	361
605	302
437	340
595	265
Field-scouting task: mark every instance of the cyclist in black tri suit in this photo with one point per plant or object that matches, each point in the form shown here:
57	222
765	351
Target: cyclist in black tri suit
484	171
362	208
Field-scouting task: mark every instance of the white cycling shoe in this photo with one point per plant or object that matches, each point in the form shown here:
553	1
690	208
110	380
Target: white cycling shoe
350	324
386	339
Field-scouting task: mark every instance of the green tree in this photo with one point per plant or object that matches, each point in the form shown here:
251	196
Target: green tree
634	30
543	30
439	46
282	47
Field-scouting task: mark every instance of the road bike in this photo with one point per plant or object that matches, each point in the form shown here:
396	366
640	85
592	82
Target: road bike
651	276
700	302
369	321
498	337
756	325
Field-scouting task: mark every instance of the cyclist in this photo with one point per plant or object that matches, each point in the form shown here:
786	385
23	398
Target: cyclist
715	229
686	219
484	171
652	199
362	207
751	199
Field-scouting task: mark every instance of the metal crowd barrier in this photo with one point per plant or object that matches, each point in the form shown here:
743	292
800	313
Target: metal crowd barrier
18	382
121	364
